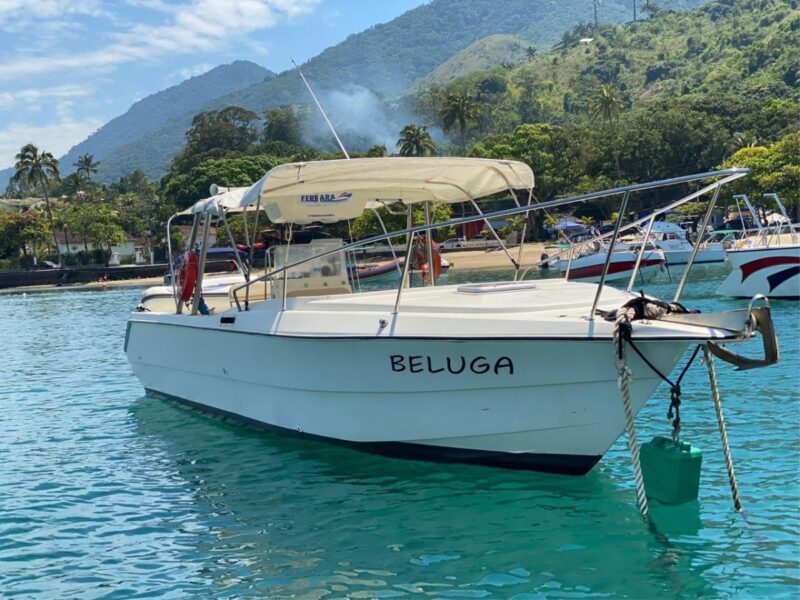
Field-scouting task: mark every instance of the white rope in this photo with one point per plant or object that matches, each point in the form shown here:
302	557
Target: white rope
624	382
723	432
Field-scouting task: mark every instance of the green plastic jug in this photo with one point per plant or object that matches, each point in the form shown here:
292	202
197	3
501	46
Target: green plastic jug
671	471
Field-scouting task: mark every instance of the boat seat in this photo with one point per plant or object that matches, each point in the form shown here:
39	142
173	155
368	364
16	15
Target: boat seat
258	292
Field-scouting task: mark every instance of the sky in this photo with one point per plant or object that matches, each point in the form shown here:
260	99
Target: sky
69	66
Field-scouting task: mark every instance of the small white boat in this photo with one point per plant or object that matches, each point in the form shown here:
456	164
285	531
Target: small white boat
470	373
771	271
216	293
674	243
588	267
762	264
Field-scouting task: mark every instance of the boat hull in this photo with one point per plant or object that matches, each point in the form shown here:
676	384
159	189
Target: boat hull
705	256
510	403
589	268
774	272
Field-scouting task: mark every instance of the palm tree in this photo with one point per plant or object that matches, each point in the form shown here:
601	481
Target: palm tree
377	151
86	166
606	105
458	108
38	168
742	140
416	141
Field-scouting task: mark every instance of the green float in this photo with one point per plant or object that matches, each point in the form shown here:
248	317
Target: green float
671	470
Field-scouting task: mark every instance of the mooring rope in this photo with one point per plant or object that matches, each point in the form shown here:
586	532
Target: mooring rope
622	327
723	432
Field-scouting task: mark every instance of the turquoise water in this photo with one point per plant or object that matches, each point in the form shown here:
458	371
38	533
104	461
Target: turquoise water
105	492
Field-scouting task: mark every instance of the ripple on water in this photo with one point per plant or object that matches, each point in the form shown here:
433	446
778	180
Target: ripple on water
108	493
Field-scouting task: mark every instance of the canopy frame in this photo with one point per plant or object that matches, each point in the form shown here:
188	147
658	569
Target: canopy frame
724	176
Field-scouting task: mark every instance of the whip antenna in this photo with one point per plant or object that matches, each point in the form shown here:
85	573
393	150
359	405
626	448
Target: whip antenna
322	110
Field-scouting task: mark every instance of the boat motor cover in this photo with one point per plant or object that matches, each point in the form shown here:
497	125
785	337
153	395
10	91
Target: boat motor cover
335	190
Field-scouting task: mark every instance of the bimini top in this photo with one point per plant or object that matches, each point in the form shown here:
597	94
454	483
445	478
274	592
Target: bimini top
225	199
335	190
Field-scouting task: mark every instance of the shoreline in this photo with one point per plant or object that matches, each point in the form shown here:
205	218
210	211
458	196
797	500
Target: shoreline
476	260
464	260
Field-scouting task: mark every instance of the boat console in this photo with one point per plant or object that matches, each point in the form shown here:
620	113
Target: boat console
323	276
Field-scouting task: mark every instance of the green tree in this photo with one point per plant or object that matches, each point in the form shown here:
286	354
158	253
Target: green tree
86	166
229	132
775	169
376	151
104	227
21	232
144	215
557	155
415	140
606	105
187	188
458	109
36	168
134	183
367	224
282	125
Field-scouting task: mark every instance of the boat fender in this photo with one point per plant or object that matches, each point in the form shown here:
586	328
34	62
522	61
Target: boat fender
187	276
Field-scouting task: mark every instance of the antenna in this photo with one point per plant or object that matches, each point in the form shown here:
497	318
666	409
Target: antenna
319	106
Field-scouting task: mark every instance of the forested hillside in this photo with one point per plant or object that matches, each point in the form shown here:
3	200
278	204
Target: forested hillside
743	50
385	60
487	53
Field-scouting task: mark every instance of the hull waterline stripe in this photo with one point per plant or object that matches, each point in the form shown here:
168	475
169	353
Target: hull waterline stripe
615	267
563	464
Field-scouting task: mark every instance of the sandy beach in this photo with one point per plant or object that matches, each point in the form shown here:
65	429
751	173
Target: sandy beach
470	260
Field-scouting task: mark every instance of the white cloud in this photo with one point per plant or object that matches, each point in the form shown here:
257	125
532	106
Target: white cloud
27	98
56	137
19	14
199	26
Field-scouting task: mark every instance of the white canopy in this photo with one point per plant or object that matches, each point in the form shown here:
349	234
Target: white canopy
227	198
335	190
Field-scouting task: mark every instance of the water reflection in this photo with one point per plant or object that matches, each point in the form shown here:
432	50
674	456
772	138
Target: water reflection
306	517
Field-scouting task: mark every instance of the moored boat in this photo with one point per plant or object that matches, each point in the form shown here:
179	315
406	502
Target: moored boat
762	263
471	373
588	267
674	243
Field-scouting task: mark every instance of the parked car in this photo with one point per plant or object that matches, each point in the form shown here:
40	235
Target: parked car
453	243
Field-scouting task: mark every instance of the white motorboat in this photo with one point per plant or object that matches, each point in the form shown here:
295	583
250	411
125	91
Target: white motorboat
471	373
216	293
213	288
674	243
588	266
773	271
762	264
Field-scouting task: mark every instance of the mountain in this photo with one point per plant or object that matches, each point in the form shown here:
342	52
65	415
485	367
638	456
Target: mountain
486	53
155	110
385	60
